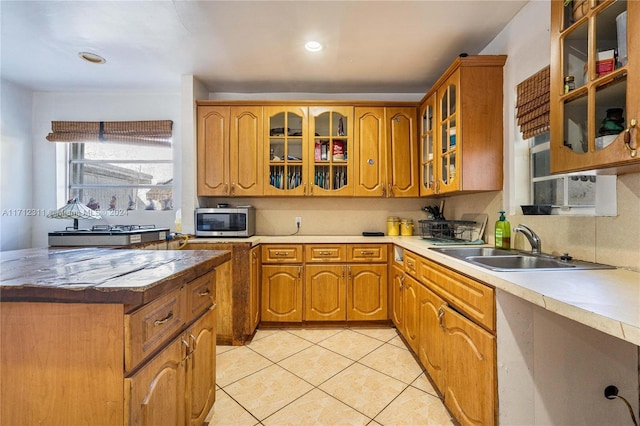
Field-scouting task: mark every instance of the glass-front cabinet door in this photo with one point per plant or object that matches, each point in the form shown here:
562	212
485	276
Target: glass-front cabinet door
594	84
330	144
286	131
448	167
428	147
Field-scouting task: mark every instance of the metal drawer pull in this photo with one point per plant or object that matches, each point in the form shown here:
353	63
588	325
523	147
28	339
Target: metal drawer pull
441	316
164	320
281	253
410	264
204	293
324	253
367	252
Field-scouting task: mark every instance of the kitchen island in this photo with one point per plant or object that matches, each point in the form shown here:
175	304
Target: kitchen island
103	336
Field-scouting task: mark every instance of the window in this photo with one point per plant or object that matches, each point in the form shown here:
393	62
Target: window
118	165
567	193
113	176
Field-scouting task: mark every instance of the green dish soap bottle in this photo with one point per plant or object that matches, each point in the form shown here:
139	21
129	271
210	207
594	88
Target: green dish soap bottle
503	232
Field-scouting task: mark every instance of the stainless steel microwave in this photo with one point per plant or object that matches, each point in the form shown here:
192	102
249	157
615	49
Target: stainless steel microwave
225	222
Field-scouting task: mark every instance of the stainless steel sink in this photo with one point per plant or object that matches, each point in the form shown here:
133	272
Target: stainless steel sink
513	260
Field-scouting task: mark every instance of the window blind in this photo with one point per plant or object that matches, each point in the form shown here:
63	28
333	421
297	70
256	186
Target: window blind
533	104
154	132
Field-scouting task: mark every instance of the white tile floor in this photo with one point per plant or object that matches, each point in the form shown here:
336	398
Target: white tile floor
339	376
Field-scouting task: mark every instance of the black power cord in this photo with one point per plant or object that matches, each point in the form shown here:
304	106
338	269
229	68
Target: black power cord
611	392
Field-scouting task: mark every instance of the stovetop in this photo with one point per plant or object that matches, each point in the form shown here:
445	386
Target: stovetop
111	230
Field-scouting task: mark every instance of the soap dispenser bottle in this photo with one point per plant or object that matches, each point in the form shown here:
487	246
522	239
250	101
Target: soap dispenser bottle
503	232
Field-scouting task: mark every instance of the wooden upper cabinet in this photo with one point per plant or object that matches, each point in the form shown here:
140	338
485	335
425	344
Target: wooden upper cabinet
246	165
213	150
428	146
402	167
285	153
386	157
595	125
230	151
330	146
462	128
370	153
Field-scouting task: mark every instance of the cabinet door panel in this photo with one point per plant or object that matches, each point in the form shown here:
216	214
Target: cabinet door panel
397	304
213	150
470	384
255	285
324	293
281	293
370	152
154	396
410	296
431	336
403	156
246	153
202	367
367	292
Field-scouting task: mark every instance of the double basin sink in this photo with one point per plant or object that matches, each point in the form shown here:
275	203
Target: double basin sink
513	260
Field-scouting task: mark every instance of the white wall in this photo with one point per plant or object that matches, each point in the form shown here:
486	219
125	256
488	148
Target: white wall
48	183
16	165
552	370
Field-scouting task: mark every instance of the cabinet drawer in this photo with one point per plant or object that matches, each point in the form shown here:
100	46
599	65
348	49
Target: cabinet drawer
148	328
200	295
472	298
284	253
325	253
367	252
411	263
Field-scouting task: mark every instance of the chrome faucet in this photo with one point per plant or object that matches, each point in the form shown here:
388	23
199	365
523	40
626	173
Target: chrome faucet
534	240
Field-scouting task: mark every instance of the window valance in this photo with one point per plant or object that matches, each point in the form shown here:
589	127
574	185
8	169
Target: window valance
533	104
155	132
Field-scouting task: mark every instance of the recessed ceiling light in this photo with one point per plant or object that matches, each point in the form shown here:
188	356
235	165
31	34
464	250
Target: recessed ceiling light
313	46
92	57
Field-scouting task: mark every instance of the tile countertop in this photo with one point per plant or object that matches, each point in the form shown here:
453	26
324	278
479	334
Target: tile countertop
606	300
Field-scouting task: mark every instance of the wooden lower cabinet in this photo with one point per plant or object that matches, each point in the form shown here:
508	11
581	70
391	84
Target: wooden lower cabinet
470	359
396	281
430	335
410	302
201	368
237	287
69	367
448	320
255	300
325	295
282	293
155	394
330	282
367	292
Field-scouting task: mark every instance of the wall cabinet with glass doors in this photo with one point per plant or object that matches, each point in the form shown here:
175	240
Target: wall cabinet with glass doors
461	132
595	84
309	150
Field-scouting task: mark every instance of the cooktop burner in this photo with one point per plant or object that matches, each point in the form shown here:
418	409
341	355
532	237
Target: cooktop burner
108	235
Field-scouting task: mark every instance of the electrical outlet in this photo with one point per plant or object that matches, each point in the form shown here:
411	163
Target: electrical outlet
298	221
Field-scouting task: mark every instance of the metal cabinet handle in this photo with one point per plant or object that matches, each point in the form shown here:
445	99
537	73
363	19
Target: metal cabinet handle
441	313
367	252
349	273
233	188
226	188
390	190
281	253
204	293
164	320
627	139
324	253
410	264
384	190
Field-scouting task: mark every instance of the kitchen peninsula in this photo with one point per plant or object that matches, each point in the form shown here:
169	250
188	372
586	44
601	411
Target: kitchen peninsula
103	336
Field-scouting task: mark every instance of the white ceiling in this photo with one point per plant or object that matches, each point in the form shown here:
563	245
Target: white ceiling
244	46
